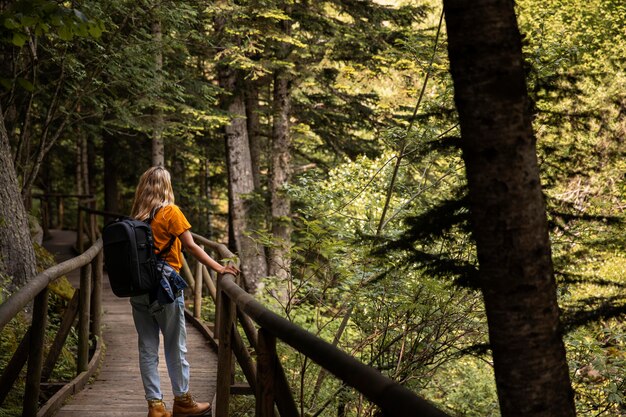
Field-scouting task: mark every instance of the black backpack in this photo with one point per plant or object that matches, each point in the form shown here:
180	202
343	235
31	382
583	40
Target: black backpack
129	257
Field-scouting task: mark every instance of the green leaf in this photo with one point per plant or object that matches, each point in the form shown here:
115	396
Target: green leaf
65	33
56	21
42	27
19	39
82	30
28	21
95	31
10	23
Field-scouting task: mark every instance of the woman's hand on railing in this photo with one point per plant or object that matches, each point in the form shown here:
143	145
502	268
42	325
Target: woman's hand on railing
229	269
190	245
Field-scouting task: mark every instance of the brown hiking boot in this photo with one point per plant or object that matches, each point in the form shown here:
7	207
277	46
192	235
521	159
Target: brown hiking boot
156	408
186	406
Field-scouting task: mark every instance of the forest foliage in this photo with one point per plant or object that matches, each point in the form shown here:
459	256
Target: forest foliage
383	261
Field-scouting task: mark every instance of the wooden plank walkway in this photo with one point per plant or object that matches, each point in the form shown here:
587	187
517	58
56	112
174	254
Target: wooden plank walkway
117	389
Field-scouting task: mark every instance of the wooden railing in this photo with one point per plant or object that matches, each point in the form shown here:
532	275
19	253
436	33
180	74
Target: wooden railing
267	378
86	303
262	327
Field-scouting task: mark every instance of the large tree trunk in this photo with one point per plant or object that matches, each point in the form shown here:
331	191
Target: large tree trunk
16	247
158	147
280	256
241	184
507	208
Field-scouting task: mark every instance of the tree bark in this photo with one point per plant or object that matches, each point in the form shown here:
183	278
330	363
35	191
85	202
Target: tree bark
111	188
207	192
17	256
253	125
241	184
158	146
280	252
507	209
82	163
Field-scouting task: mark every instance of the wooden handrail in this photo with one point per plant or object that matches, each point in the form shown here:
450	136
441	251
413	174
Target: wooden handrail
29	291
393	398
36	290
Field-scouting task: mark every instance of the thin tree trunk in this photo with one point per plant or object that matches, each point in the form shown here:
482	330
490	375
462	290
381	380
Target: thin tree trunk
17	256
111	188
280	257
82	186
158	147
47	140
206	189
251	254
507	208
254	130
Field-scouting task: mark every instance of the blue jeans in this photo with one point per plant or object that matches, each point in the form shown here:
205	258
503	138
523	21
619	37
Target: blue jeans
170	320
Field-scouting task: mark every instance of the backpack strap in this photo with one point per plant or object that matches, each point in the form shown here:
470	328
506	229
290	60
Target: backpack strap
167	248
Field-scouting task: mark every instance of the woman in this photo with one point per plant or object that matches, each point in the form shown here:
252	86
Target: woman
154	199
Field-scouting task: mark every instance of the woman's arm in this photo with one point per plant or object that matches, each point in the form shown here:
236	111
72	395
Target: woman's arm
190	246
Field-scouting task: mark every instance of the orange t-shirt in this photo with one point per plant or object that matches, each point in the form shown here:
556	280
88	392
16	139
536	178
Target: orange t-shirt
168	222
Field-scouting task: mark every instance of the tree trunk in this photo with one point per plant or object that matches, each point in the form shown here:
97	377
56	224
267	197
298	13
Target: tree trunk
280	257
82	174
241	184
158	147
507	208
17	256
111	188
207	193
253	125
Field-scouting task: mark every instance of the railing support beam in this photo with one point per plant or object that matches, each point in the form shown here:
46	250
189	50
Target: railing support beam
35	354
83	322
64	330
14	367
224	354
266	374
197	290
96	295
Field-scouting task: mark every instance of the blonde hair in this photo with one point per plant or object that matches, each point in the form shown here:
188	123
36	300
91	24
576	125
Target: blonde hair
153	191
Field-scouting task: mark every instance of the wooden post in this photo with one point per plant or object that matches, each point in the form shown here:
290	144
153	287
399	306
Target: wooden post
218	303
45	216
187	275
83	319
197	296
93	224
80	231
61	213
266	374
96	295
224	354
35	354
208	281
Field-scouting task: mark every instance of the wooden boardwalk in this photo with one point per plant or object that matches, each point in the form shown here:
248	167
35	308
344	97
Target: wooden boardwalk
117	389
